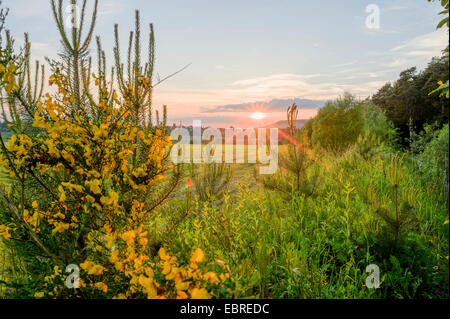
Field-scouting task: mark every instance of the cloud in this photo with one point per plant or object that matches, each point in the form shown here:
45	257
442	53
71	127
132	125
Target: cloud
214	120
40	50
268	106
393	7
33	8
28	8
220	67
396	63
345	64
432	40
276	79
275	86
269	94
418	50
110	8
227	68
375	74
284	87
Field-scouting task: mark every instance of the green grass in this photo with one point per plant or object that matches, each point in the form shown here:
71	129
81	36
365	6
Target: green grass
241	153
317	247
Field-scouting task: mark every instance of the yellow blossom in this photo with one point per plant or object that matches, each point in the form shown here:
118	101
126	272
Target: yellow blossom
200	293
94	186
197	256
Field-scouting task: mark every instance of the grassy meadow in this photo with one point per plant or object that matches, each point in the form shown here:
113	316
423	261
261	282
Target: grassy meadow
318	247
303	247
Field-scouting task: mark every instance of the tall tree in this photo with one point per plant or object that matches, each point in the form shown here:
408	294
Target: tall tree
407	102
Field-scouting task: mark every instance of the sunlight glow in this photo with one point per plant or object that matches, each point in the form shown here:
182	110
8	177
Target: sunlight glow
258	115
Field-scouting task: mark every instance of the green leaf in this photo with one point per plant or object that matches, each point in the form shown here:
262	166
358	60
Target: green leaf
441	24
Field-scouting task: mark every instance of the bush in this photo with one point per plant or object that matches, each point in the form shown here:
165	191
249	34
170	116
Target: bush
210	182
433	162
338	124
376	122
85	175
298	174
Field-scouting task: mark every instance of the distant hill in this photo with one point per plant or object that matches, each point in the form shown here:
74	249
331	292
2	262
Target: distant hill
275	104
284	124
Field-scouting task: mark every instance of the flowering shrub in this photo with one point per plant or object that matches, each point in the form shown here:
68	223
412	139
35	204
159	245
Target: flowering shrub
7	76
86	185
136	276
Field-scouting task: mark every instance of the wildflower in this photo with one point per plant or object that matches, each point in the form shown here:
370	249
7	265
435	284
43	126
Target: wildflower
220	261
198	256
212	277
148	285
166	268
39	294
129	237
111	200
102	286
163	255
94	186
92	268
4	231
181	295
60	227
200	293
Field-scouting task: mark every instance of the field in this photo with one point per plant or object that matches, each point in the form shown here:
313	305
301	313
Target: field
297	245
94	204
319	247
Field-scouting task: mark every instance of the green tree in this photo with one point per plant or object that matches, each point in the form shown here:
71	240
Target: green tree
299	173
443	87
338	124
407	102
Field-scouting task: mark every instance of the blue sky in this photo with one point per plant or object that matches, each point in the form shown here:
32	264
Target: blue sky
252	51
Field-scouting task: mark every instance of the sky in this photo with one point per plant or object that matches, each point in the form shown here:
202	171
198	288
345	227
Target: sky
251	56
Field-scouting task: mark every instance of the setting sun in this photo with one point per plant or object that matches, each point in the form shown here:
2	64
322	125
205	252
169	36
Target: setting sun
258	115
